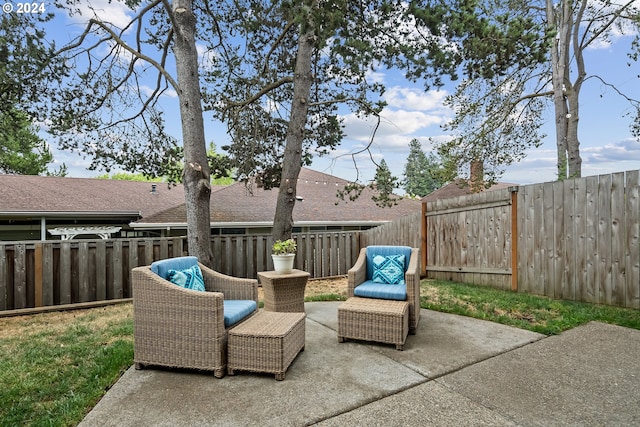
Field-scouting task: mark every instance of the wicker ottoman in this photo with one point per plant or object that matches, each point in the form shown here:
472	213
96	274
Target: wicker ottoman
266	342
371	319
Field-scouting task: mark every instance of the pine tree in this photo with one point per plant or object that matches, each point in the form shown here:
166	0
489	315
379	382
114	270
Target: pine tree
420	172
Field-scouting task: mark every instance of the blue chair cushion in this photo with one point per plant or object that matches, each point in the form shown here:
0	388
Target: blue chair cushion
236	310
388	269
191	278
373	251
162	267
371	289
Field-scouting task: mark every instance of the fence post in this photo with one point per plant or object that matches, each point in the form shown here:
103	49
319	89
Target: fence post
514	238
423	240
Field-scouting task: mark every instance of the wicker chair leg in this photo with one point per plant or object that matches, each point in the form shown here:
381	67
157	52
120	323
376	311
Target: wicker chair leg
280	376
138	366
341	339
219	373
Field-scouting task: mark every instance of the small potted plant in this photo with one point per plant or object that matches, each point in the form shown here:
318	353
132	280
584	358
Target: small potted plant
283	253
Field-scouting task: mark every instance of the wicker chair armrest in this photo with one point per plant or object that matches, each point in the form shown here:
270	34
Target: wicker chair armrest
358	273
412	275
233	288
182	309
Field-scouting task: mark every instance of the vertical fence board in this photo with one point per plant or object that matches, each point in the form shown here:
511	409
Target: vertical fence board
590	287
83	272
604	239
618	286
632	212
20	276
148	252
540	278
65	272
37	254
525	263
101	270
251	258
164	249
548	240
116	263
565	287
555	233
580	245
48	283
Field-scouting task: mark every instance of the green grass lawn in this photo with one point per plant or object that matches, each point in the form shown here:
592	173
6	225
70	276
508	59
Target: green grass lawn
54	367
535	313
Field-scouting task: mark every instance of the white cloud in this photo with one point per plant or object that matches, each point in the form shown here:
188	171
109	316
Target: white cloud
115	13
627	149
404	97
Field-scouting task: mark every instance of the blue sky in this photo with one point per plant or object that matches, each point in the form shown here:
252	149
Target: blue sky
606	142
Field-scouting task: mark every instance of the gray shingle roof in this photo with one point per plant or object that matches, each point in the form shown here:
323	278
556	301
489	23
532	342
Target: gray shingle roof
237	204
230	204
28	193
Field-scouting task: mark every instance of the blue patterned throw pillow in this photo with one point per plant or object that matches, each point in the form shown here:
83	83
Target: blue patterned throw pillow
190	278
388	269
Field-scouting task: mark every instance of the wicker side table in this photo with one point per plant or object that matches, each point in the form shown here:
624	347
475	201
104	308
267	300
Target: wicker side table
266	342
371	319
284	292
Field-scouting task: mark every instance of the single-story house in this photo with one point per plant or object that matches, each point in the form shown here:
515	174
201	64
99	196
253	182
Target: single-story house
44	208
238	209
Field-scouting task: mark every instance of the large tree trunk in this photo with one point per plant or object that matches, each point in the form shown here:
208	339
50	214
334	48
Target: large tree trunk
292	162
197	186
573	96
565	93
559	70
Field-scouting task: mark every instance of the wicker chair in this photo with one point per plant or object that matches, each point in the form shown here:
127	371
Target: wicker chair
361	272
183	328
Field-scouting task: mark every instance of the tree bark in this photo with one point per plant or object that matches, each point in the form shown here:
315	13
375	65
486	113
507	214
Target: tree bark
559	71
197	186
292	162
566	93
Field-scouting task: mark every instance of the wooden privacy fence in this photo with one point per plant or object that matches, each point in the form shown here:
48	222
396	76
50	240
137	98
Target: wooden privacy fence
321	254
577	239
47	273
470	238
405	231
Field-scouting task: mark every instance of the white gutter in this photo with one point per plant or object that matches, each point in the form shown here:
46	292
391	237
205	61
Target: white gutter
183	225
68	214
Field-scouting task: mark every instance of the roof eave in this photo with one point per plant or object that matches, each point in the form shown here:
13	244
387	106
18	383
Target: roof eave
179	225
70	214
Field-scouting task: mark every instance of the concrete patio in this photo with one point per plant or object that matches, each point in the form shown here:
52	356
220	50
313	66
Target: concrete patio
455	371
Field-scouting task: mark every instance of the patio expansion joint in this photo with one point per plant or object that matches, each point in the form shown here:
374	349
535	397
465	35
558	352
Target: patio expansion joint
370	401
